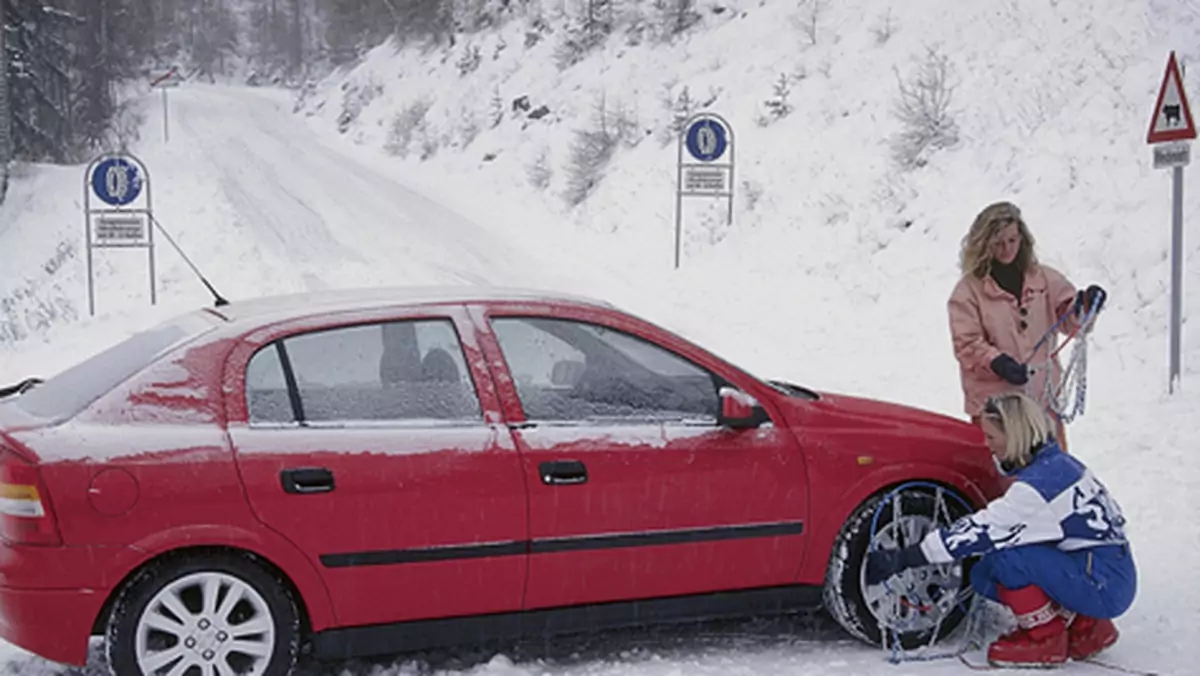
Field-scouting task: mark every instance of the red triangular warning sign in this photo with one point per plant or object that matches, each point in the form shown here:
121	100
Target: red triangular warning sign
1172	117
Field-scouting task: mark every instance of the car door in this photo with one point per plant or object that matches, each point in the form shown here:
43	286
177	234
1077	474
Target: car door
635	491
375	446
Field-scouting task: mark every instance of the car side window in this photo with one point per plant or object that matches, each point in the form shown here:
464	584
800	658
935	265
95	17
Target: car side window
266	390
566	370
394	371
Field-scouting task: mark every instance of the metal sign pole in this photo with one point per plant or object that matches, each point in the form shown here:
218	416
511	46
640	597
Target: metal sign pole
732	145
679	201
1172	129
1176	276
87	234
166	81
150	230
708	138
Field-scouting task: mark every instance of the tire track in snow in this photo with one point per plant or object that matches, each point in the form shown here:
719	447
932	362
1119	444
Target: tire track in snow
326	211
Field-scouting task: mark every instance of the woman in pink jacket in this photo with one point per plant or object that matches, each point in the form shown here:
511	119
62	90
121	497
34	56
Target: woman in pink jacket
1001	308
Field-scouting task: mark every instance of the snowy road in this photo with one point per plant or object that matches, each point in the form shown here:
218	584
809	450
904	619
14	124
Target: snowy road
239	163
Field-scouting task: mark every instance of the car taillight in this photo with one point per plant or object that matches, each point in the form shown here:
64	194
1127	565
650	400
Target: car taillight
25	514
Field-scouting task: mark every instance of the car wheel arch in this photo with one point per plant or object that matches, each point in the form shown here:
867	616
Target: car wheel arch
845	598
265	587
311	596
829	524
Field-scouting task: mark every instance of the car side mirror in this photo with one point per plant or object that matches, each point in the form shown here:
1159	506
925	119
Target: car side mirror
740	411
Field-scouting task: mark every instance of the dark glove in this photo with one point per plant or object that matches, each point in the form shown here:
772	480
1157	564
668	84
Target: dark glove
884	563
1086	299
1093	298
1009	369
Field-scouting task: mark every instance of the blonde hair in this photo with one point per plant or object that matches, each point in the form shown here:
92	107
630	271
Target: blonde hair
1026	426
976	255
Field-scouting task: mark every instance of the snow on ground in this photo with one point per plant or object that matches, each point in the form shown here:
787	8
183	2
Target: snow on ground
835	273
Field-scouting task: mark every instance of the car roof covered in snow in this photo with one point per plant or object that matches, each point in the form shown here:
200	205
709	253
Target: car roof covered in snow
283	307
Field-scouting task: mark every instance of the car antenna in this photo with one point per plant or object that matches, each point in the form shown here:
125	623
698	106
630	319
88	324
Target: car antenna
218	300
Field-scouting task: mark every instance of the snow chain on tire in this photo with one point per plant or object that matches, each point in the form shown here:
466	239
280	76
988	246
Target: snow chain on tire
844	593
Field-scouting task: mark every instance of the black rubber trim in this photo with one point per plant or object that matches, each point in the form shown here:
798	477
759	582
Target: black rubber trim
289	376
672	537
570	544
452	553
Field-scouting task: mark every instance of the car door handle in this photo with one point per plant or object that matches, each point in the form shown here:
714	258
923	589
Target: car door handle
306	480
563	472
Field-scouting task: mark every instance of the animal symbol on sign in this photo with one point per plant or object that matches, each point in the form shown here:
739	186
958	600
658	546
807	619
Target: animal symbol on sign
1172	114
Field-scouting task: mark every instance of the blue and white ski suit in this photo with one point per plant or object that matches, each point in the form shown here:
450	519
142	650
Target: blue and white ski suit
1057	527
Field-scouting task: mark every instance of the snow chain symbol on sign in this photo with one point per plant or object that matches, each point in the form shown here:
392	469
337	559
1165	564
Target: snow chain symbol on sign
706	139
117	181
708	169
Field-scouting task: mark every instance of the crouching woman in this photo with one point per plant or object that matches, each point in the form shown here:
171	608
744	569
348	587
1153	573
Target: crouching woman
1053	546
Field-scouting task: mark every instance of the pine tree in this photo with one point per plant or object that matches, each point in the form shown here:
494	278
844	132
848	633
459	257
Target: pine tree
216	40
5	125
424	19
39	79
95	71
353	26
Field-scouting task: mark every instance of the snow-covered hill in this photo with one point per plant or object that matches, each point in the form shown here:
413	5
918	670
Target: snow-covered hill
834	273
830	237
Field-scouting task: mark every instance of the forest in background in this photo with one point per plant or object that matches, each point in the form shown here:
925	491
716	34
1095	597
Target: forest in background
66	61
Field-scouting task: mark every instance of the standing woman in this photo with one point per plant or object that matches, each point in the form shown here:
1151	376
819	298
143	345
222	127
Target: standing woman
1003	305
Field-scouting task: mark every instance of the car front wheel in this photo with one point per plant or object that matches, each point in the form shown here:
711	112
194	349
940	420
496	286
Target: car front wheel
209	615
916	607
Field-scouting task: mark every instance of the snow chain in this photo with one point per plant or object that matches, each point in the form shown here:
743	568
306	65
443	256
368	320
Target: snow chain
1066	399
891	628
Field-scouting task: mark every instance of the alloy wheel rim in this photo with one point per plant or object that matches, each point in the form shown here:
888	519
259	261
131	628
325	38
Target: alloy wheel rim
205	624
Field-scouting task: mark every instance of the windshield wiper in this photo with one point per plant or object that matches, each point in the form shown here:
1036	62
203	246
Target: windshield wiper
20	388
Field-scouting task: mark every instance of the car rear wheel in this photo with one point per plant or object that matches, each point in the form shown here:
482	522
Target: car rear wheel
916	607
204	615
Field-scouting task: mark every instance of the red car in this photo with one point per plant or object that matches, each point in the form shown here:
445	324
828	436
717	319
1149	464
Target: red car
376	471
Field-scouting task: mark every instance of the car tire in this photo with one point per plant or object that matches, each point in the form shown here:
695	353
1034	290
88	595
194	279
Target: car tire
185	609
844	594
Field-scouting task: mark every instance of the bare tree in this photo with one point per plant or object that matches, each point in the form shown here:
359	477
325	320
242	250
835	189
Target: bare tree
884	28
811	13
923	108
676	16
591	150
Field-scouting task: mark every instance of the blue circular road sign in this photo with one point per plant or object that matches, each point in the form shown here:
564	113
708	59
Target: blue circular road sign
706	140
117	181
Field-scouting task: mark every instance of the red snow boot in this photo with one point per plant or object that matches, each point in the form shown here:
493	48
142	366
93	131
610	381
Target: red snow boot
1040	639
1089	635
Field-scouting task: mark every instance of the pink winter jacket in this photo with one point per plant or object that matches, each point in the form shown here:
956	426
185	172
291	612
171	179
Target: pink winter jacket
985	321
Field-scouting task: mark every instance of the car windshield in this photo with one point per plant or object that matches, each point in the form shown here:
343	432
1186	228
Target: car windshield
69	392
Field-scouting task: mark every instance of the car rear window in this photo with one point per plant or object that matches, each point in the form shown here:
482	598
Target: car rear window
69	392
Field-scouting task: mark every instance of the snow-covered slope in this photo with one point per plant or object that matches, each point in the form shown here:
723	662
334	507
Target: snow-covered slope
834	274
1051	100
